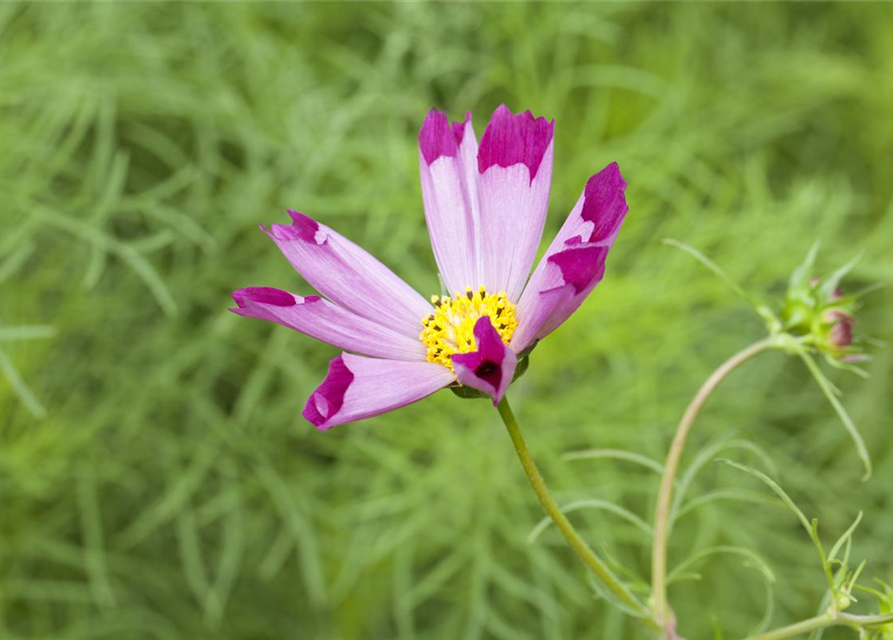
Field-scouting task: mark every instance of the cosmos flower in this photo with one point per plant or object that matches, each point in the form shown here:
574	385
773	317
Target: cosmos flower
485	206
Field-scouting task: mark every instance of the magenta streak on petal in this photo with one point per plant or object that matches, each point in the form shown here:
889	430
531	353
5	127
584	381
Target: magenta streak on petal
515	139
436	138
604	203
490	368
328	398
264	295
487	360
581	266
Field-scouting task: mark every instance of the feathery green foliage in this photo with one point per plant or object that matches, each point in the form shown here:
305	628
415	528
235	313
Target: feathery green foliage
156	479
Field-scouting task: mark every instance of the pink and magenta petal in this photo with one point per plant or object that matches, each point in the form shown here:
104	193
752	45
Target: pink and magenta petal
515	175
348	275
437	138
449	192
267	296
326	401
515	139
581	264
357	388
491	368
320	319
575	262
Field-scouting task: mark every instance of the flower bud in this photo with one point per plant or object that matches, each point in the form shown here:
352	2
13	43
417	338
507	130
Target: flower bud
841	332
843	601
819	313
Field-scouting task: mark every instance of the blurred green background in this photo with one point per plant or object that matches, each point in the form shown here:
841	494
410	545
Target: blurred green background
156	478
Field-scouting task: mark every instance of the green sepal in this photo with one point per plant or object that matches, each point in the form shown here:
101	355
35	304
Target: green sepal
468	393
830	283
799	286
523	364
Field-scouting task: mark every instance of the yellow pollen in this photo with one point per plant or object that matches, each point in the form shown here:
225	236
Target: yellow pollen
450	329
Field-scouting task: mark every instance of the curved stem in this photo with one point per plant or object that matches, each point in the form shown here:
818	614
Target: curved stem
822	621
596	564
662	613
796	629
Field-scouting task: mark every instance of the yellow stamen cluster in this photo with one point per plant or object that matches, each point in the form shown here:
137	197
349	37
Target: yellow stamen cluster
450	329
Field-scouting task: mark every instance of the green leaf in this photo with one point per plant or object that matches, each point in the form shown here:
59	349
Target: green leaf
606	595
810	527
27	332
724	494
717	630
752	559
592	503
744	552
829	391
801	276
758	306
705	456
20	387
616	454
832	280
847	535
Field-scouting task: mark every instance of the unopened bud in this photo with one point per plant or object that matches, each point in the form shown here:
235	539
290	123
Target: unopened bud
841	333
820	314
843	600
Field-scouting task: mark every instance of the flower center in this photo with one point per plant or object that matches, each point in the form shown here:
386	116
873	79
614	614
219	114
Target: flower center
450	329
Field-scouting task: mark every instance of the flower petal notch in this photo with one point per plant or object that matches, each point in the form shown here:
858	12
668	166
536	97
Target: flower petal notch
357	388
491	368
438	138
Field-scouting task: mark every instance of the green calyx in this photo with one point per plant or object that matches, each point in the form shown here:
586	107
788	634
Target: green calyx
820	315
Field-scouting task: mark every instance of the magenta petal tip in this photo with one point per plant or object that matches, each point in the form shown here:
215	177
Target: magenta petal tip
264	295
437	137
328	398
604	202
302	227
515	139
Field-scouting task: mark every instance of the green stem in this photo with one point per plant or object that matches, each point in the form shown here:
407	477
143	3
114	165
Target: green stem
822	621
661	609
796	629
596	564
